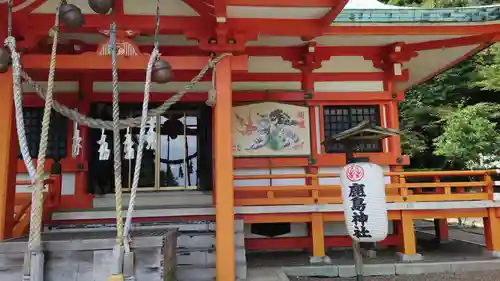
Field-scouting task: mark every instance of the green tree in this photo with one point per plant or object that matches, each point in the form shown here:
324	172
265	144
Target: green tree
468	131
437	138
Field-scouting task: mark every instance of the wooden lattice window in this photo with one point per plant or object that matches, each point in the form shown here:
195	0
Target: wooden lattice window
58	133
340	118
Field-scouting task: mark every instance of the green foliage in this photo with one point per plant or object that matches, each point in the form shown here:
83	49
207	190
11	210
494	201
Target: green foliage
451	119
468	131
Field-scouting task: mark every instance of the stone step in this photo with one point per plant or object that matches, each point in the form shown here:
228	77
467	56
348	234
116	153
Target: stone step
195	252
205	256
204	225
109	213
197	273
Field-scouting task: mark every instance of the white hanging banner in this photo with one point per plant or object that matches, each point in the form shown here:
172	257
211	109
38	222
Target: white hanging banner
128	146
151	136
365	207
103	147
77	141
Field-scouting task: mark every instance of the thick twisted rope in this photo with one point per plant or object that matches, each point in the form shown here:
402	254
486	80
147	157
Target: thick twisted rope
140	148
10	42
35	240
117	159
124	123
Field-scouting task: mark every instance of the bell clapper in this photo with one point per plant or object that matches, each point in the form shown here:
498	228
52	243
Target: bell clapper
162	72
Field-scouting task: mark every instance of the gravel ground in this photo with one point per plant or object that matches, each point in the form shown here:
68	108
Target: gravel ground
468	276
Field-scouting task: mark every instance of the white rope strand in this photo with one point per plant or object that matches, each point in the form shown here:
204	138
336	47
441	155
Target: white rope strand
10	42
36	221
140	149
124	123
116	139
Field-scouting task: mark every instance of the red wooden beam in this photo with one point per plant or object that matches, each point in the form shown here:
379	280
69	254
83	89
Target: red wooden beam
104	75
91	61
295	52
240	96
220	7
41	23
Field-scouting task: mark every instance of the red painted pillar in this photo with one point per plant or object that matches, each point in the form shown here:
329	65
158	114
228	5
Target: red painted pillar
8	157
81	177
441	228
224	187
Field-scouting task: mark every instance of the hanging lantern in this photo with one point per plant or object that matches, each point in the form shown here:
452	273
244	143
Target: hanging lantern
101	7
4	60
71	16
365	208
162	72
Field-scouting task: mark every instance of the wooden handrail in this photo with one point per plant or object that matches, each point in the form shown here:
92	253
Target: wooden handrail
399	191
387	174
51	200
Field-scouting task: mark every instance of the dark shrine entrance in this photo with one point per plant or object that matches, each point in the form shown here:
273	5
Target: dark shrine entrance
182	160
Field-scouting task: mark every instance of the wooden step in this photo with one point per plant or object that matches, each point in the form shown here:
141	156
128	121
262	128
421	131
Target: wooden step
166	198
109	213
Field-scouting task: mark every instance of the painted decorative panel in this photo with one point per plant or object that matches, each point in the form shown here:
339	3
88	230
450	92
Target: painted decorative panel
271	129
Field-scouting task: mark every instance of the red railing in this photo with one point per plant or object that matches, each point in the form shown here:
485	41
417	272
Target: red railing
430	188
51	200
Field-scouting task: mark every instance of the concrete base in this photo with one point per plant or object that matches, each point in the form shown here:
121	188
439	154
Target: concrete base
392	269
371	254
409	258
320	260
493	254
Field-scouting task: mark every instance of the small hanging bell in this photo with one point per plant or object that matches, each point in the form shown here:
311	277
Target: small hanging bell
102	7
71	16
161	72
5	60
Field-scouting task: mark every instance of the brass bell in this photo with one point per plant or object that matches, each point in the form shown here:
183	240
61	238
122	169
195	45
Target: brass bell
161	72
5	60
101	7
71	16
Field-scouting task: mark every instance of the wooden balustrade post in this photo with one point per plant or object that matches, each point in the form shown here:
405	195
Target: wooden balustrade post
318	239
8	156
408	247
441	225
492	232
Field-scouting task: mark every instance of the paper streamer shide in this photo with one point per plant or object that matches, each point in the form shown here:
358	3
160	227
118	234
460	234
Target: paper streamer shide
365	207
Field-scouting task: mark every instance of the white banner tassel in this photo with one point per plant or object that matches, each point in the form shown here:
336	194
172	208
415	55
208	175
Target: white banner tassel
103	147
151	136
77	141
128	146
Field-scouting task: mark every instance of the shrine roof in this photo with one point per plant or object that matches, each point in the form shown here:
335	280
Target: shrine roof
352	37
374	11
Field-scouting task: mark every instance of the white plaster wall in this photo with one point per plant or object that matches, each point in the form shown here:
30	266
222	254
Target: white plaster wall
270	182
349	86
68	183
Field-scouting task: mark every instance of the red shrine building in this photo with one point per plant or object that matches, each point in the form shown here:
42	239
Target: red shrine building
253	163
